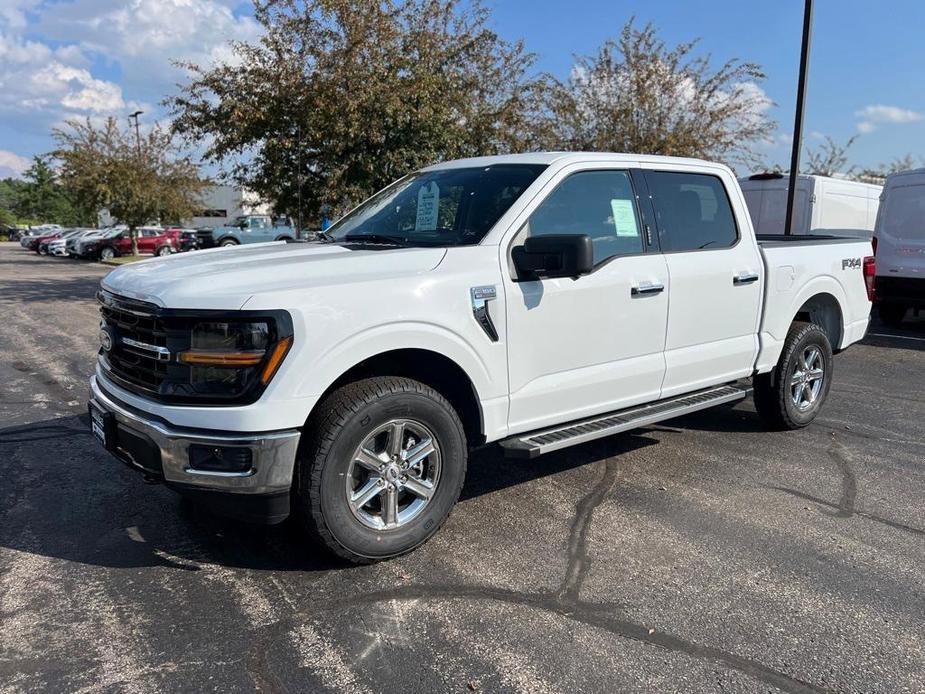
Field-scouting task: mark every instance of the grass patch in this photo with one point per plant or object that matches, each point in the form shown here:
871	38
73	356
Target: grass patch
125	259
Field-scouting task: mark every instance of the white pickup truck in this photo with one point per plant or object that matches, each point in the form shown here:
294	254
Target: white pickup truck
537	301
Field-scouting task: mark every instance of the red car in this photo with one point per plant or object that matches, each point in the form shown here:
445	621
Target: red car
151	241
34	242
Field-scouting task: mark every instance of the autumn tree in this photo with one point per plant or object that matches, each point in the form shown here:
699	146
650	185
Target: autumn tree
830	158
139	179
338	98
637	94
897	165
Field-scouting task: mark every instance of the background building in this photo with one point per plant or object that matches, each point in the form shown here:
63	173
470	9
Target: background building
220	205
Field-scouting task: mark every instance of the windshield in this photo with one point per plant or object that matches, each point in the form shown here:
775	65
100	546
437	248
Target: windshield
449	207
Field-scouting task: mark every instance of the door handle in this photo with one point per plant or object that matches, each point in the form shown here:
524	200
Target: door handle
745	278
647	289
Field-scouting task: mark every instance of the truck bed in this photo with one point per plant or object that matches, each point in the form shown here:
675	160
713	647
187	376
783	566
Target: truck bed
770	240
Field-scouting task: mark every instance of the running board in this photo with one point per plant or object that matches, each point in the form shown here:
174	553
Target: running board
535	443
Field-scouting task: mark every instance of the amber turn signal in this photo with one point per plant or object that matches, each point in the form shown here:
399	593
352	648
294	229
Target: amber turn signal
221	358
276	358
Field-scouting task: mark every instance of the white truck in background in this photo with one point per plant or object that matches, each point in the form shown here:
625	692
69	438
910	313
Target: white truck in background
900	246
537	301
823	205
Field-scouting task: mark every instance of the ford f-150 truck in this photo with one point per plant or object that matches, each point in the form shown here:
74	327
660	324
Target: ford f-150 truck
537	301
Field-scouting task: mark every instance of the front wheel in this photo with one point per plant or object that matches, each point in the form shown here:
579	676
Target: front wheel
162	251
383	468
790	396
107	253
228	242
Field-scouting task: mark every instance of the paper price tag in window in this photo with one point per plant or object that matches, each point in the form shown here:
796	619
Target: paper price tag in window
428	207
624	219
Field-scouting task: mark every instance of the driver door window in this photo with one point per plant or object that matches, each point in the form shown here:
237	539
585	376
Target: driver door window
600	204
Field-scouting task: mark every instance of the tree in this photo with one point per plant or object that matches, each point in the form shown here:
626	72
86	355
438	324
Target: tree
39	195
898	164
638	95
138	179
339	98
830	158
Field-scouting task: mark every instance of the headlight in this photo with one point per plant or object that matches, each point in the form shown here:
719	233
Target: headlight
231	357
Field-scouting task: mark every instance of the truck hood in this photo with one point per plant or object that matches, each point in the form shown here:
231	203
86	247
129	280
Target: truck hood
225	278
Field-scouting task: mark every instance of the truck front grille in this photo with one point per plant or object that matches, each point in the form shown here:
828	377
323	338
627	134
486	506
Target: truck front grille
134	358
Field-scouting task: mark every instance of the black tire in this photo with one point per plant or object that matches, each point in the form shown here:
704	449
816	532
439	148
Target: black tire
228	242
892	314
108	253
344	421
162	251
774	393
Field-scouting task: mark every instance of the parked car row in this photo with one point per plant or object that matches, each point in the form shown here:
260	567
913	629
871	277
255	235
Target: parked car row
111	242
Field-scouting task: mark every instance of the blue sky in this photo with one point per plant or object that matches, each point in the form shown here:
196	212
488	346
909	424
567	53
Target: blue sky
66	58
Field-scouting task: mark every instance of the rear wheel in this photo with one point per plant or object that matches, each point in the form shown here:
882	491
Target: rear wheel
108	253
162	251
383	468
790	396
892	314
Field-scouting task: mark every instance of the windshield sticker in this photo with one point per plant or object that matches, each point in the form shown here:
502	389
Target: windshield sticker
428	206
624	219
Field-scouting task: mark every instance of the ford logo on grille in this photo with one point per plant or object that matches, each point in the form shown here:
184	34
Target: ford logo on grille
105	339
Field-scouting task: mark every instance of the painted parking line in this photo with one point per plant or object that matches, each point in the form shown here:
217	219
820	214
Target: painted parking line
897	337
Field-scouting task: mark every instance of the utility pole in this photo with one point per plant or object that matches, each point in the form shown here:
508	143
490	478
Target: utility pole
798	117
137	133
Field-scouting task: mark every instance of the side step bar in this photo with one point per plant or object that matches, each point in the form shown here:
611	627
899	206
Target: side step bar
536	443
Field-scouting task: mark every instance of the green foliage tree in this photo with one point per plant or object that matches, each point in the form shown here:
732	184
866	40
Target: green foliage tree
138	179
39	196
339	98
639	95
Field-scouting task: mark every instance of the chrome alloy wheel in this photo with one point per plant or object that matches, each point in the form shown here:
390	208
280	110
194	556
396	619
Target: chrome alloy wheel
807	378
393	474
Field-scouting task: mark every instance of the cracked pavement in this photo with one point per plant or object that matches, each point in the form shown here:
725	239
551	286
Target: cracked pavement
705	554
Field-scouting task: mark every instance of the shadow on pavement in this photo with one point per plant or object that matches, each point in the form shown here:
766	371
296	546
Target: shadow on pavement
64	497
77	289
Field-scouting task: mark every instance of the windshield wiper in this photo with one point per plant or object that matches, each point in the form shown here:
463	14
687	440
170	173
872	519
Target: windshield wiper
376	238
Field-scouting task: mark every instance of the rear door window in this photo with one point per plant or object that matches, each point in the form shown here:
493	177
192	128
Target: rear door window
692	211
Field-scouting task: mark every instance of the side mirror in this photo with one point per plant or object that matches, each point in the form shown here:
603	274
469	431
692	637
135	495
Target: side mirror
561	255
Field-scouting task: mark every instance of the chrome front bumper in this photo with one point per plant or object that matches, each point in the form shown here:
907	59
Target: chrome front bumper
273	453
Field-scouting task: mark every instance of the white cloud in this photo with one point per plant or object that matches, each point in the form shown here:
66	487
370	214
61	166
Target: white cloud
40	83
96	58
144	36
11	164
877	114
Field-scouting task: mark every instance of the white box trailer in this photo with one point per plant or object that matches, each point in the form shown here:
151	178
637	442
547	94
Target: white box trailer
823	205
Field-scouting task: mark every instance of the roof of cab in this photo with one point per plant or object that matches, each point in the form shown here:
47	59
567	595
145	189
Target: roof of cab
548	158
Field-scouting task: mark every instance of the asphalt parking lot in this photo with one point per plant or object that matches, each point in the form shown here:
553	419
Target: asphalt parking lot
703	555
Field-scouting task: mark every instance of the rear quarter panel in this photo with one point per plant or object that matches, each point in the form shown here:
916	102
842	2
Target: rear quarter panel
795	274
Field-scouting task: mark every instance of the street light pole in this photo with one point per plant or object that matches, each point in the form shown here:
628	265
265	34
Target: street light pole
798	117
137	133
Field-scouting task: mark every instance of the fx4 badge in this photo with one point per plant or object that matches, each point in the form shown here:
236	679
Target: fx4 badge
851	264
